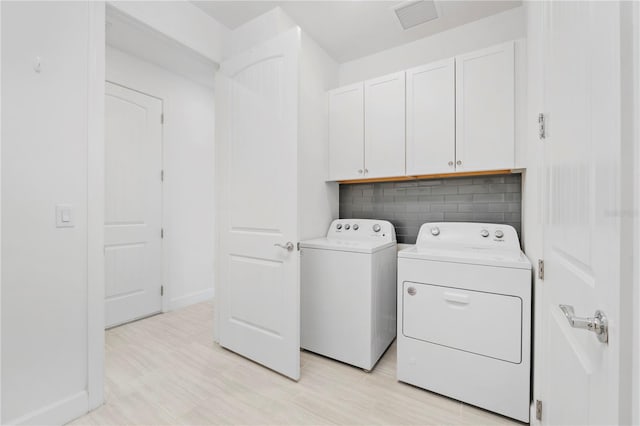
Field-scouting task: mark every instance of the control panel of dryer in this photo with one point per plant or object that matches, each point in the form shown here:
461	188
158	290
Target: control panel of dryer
362	229
482	235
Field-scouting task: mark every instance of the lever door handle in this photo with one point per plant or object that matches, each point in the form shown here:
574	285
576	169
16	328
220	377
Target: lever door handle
288	246
598	323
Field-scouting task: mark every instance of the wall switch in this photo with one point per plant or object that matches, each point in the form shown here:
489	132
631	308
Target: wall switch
64	216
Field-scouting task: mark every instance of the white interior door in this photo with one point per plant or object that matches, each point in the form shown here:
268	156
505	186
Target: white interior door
582	225
258	295
133	205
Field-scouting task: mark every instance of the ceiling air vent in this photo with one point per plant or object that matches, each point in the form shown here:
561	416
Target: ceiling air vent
415	12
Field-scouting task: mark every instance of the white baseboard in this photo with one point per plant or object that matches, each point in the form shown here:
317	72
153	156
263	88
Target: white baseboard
58	413
191	298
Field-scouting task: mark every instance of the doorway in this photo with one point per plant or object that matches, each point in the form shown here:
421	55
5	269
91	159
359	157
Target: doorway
133	205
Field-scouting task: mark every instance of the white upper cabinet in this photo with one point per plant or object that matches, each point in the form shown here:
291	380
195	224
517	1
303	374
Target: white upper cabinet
485	109
346	132
455	115
384	126
431	118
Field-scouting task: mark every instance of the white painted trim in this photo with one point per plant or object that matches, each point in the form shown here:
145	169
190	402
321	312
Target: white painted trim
58	413
635	373
0	213
191	298
95	211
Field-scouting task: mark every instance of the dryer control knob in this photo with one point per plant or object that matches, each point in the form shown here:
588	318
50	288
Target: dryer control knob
347	226
484	233
339	226
376	228
355	227
499	234
435	231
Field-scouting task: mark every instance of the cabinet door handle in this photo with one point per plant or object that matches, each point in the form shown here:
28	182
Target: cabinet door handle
366	171
450	163
360	171
459	162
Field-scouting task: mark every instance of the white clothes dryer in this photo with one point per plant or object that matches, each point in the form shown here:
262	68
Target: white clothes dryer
464	316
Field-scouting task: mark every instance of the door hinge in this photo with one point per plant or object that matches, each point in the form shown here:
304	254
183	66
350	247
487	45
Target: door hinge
540	269
161	232
161	290
162	118
162	175
298	245
538	409
542	127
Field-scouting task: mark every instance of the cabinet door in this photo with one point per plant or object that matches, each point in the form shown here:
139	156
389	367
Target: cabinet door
346	132
485	104
431	113
384	115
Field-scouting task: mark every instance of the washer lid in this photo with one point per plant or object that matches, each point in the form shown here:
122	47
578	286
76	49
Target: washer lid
470	255
362	246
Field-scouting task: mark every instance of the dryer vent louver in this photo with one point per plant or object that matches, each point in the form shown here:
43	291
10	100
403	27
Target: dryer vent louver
412	13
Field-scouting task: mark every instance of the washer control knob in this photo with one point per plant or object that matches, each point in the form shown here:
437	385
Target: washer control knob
346	227
355	227
376	228
484	233
499	234
435	231
339	226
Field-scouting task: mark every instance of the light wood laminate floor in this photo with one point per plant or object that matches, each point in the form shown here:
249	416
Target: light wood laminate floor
167	370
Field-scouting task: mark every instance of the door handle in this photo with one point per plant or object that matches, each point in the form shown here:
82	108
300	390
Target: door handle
288	246
598	323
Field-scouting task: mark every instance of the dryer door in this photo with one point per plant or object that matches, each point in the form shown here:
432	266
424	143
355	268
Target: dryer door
482	323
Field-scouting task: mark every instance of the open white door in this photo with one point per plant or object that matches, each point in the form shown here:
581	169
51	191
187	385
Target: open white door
258	293
582	225
133	205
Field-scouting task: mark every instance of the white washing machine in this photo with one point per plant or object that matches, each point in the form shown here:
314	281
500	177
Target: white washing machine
348	291
464	316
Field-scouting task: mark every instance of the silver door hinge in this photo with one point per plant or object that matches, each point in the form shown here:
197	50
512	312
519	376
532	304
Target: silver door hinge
542	128
540	269
538	409
162	175
161	290
161	118
298	245
161	232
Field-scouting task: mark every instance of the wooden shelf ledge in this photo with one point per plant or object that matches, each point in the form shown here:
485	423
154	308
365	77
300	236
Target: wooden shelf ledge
434	176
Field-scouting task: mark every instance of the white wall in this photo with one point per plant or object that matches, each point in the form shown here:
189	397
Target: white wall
505	26
260	29
318	199
188	192
180	21
45	273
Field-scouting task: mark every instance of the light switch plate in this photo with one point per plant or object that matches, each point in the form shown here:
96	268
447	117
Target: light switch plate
64	216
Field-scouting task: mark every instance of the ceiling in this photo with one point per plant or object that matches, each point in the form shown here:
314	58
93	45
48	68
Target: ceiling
350	29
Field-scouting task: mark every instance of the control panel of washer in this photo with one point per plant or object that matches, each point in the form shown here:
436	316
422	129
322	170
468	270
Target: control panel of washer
362	229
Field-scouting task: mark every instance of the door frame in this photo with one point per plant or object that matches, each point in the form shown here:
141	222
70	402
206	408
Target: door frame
164	244
95	205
